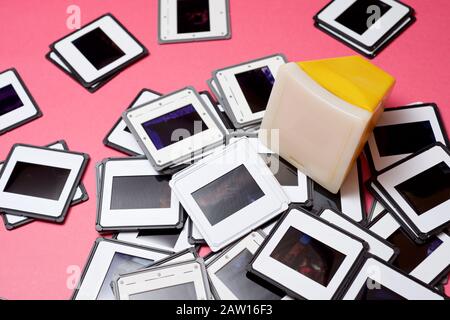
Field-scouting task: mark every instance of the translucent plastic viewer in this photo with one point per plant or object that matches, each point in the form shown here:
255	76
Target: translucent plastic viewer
324	112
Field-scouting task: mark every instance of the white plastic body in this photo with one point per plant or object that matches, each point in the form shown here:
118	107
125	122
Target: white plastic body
319	133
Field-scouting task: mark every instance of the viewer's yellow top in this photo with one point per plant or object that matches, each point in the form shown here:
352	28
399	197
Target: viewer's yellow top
353	79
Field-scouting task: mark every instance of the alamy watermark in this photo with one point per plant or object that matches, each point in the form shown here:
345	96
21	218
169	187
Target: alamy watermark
269	138
73	278
375	15
373	278
73	21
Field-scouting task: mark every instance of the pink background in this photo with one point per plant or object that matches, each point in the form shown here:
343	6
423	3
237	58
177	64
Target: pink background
34	259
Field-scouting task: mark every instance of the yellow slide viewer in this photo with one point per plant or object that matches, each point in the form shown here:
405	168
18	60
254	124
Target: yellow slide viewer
324	112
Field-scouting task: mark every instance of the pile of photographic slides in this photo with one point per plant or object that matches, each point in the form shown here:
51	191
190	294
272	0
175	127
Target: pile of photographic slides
274	233
195	173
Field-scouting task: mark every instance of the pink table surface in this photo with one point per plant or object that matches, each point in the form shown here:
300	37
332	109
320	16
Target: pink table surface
35	259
